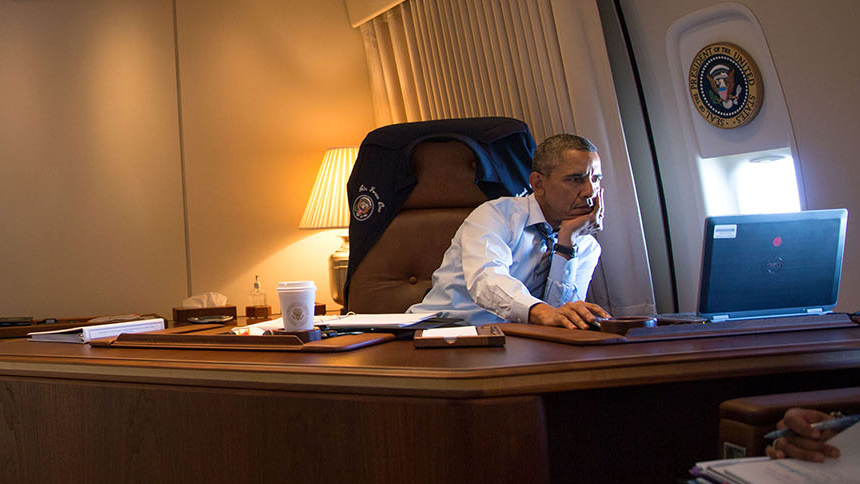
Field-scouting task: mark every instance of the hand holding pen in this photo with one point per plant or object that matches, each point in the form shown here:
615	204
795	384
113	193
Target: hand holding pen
802	434
836	424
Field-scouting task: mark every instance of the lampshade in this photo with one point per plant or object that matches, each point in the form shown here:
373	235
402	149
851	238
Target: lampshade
328	207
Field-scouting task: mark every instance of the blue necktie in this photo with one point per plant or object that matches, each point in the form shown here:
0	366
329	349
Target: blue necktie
542	270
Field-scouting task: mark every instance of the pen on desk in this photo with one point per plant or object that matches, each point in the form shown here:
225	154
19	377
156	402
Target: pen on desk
333	333
836	424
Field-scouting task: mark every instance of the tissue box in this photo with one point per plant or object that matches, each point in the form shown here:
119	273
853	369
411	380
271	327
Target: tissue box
181	315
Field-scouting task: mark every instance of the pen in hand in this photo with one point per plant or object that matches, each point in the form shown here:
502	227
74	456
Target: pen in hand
836	424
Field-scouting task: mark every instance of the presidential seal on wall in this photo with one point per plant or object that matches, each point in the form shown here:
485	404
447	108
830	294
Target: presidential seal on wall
725	85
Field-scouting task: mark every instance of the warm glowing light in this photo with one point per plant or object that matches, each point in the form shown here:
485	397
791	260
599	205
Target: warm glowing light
328	206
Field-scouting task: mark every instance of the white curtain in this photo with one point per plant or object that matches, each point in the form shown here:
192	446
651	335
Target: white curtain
434	59
541	61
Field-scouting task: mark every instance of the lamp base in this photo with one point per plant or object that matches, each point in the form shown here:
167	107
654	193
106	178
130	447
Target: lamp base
338	263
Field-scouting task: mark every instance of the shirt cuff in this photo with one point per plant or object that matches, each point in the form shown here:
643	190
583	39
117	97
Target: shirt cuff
520	308
562	269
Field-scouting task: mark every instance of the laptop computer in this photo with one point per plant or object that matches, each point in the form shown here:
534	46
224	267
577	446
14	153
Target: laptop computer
783	267
766	265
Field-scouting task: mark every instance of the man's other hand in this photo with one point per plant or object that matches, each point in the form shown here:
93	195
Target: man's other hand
573	315
809	443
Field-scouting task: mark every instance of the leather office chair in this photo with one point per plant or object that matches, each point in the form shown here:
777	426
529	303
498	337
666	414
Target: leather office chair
443	170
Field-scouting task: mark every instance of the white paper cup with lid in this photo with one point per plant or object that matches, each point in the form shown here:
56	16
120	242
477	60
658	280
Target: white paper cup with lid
297	304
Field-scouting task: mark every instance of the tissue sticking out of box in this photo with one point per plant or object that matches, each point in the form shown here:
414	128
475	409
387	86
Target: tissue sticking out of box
205	300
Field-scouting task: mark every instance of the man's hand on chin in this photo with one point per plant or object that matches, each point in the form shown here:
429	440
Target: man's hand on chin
586	224
573	315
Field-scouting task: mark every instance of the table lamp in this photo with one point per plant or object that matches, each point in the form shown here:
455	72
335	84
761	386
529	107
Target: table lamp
328	208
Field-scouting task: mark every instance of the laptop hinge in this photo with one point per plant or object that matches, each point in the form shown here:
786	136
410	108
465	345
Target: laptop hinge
814	310
720	317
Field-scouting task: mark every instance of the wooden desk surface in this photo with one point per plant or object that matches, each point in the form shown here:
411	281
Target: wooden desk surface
545	412
523	366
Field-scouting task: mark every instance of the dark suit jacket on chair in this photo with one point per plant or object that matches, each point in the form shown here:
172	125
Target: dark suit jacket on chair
411	188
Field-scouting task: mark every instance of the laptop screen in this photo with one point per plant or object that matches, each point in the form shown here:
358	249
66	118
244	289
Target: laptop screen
771	264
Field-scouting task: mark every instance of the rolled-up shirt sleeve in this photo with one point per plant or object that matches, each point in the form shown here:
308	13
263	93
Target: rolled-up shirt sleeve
568	279
487	258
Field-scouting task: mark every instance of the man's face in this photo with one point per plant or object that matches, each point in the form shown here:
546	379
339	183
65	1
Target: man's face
568	191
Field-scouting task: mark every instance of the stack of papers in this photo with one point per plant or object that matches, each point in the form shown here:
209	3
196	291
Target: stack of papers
396	320
347	321
762	470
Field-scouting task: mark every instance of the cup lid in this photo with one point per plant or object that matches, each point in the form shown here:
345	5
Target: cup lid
296	285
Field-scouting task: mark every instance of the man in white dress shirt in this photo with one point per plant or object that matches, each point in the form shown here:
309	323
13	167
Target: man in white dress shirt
504	263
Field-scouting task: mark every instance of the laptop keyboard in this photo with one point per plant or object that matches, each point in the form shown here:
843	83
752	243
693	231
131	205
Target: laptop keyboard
747	326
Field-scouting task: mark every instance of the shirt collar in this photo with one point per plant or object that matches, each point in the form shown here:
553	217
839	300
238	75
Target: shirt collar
536	215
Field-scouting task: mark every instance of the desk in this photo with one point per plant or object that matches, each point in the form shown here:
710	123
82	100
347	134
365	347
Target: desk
533	411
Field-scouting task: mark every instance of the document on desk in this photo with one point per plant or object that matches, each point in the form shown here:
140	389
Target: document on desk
84	334
393	320
844	470
346	321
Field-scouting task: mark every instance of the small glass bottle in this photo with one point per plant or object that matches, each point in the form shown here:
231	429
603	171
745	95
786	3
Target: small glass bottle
258	296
